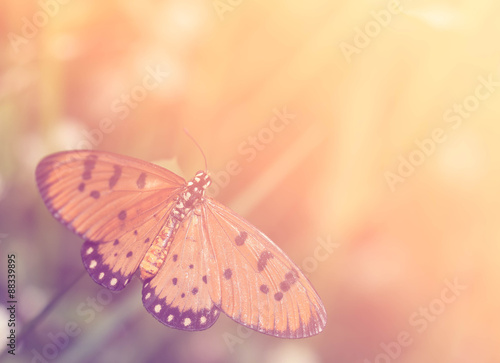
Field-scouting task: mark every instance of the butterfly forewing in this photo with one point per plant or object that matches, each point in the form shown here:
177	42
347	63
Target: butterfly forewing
178	296
260	287
118	204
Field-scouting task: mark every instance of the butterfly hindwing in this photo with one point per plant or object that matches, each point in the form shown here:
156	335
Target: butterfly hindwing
260	287
112	263
178	295
118	204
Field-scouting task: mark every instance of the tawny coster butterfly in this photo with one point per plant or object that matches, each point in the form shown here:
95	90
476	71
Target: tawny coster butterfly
195	256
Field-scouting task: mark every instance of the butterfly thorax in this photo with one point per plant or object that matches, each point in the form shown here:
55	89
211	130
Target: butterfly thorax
185	202
191	195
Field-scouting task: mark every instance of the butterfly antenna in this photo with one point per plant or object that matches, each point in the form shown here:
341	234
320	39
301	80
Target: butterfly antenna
199	147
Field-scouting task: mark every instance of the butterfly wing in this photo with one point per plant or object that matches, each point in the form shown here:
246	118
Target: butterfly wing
258	285
116	203
178	295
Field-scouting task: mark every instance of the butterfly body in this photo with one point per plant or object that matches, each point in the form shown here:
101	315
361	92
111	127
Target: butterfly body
195	256
155	256
187	199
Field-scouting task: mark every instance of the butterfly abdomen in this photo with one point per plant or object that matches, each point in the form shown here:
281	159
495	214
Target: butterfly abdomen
155	256
187	200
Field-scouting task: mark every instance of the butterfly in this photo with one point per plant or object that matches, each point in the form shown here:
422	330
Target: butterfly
196	257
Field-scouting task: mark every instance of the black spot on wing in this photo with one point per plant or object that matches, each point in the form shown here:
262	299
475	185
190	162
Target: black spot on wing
291	276
116	242
264	256
174	280
129	254
204	278
88	166
141	181
122	215
241	238
264	289
284	286
116	176
95	194
278	296
228	273
81	187
174	257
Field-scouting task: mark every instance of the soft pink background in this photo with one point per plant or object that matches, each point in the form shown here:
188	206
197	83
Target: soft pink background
366	82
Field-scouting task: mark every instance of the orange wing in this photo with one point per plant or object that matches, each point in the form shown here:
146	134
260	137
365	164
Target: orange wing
178	296
116	203
258	285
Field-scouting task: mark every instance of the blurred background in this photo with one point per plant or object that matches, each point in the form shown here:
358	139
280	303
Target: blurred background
361	136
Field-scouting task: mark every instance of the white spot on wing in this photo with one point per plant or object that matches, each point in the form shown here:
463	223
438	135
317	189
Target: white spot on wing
148	295
101	275
113	281
187	322
89	250
93	264
170	318
157	308
203	320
